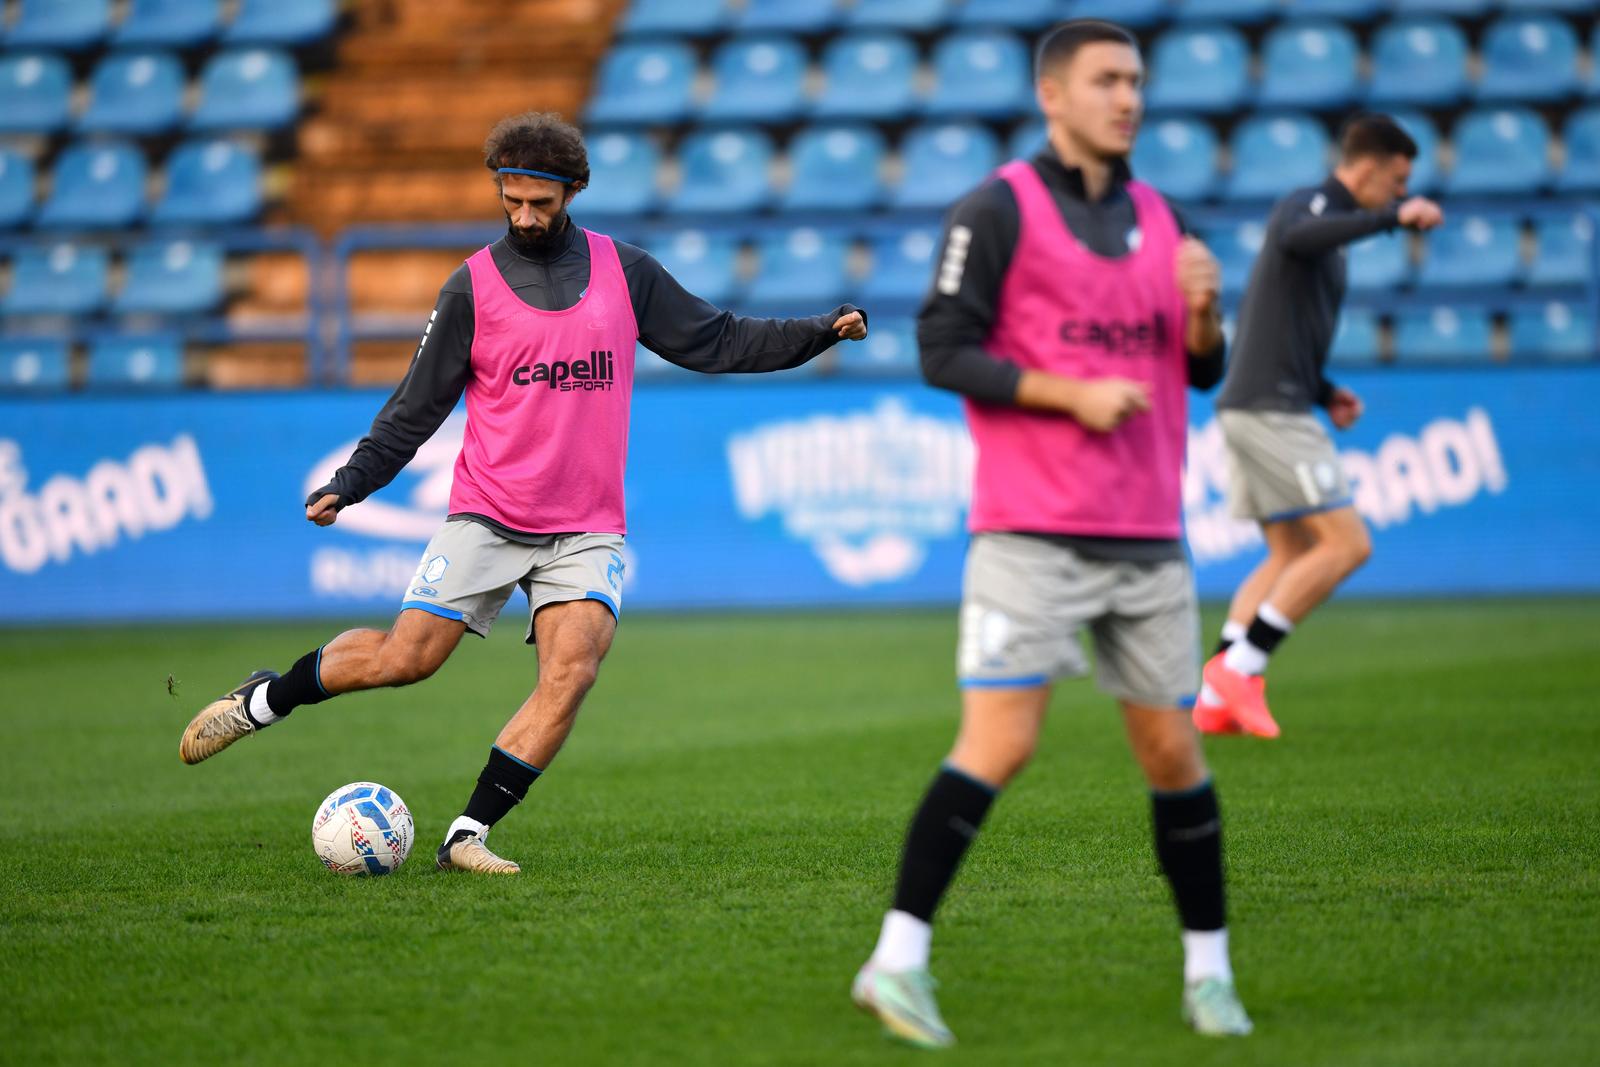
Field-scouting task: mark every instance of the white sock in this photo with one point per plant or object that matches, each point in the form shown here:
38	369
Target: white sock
260	711
1273	617
1233	631
903	943
1244	657
464	823
1205	955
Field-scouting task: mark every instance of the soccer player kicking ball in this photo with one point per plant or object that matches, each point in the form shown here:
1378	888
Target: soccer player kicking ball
538	331
1283	470
1072	312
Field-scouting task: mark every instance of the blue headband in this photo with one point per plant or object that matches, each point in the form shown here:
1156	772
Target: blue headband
536	174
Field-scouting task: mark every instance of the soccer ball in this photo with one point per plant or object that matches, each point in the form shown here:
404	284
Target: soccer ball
362	828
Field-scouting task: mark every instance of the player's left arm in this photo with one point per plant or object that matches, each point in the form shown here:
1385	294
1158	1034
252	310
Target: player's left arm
1200	280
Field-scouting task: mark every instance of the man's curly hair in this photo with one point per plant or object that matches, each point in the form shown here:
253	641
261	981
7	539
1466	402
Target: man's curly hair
538	140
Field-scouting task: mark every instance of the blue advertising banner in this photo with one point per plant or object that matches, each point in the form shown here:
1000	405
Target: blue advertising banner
742	493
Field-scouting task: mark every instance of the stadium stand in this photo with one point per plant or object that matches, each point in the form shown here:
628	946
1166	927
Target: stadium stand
33	364
622	173
172	277
1202	69
68	25
168	23
59	279
724	171
1500	152
1357	340
1443	333
835	168
1557	330
758	79
136	361
867	76
942	162
38	92
96	185
1420	62
980	73
16	188
210	182
1309	65
1272	155
257	89
801	269
134	93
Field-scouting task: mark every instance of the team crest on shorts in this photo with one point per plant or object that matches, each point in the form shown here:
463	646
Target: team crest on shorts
432	570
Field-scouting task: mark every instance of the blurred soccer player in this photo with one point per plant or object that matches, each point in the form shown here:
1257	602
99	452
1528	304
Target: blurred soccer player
1283	470
1072	312
538	331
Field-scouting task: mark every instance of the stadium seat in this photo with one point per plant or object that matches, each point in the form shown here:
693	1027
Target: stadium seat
288	23
1470	250
1443	333
69	25
758	79
1134	14
1199	69
1236	248
172	278
37	88
943	162
910	15
168	24
890	349
1557	330
1425	168
723	171
1420	61
28	364
256	89
676	18
982	73
1503	151
1461	9
1272	155
1010	14
1027	140
1570	7
59	279
703	263
902	266
622	174
1309	64
799	269
1581	135
643	83
138	93
1177	156
1564	252
210	181
16	188
835	168
1355	340
1343	10
1529	58
1594	63
136	361
98	186
867	76
1380	262
789	16
1236	12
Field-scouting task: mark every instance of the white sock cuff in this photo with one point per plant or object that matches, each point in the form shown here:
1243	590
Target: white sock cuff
1233	631
260	711
464	823
1275	618
1205	955
903	943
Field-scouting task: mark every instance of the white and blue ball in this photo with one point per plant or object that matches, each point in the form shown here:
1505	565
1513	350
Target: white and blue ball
362	828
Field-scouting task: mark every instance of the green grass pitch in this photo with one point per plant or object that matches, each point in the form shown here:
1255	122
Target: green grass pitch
1415	865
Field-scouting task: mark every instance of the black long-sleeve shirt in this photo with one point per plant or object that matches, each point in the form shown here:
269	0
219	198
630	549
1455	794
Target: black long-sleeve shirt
1291	306
672	322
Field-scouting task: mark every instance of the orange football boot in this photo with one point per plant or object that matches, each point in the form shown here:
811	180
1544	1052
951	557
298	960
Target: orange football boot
1244	696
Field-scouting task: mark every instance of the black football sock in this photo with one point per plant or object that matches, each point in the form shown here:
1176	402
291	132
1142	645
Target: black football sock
505	780
943	827
300	684
1188	829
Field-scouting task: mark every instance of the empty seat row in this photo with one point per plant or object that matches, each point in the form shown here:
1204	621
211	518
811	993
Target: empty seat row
103	186
178	277
114	361
1461	333
142	92
79	25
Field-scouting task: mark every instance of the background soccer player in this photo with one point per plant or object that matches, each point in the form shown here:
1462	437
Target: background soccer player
1283	469
538	331
1072	312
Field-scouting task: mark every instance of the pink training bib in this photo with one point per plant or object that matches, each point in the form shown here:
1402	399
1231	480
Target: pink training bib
547	408
1065	310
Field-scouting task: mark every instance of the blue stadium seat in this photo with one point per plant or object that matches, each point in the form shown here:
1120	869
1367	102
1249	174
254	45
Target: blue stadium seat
37	88
172	278
211	181
1460	9
33	363
1237	12
139	93
1236	248
1177	156
799	269
1471	250
867	76
677	18
16	188
1011	14
890	349
1273	154
1343	10
1581	135
642	83
1500	152
168	24
1355	340
1027	140
70	25
704	263
1557	330
724	171
1199	69
256	89
902	266
1443	333
835	168
59	279
789	16
758	79
98	186
1425	168
1419	61
622	174
1309	64
281	22
1564	252
1571	7
1529	58
1380	262
136	361
1134	14
897	14
943	162
980	72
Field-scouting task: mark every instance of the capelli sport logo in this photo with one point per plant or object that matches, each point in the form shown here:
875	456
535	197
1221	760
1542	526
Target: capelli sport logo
597	374
1146	338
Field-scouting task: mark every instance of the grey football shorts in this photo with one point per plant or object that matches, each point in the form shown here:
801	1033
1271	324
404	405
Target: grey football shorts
468	572
1026	600
1281	465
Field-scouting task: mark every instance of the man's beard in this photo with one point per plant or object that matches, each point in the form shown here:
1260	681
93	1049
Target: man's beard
537	241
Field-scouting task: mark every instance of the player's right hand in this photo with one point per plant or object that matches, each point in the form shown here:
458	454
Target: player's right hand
325	512
1103	404
1420	213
